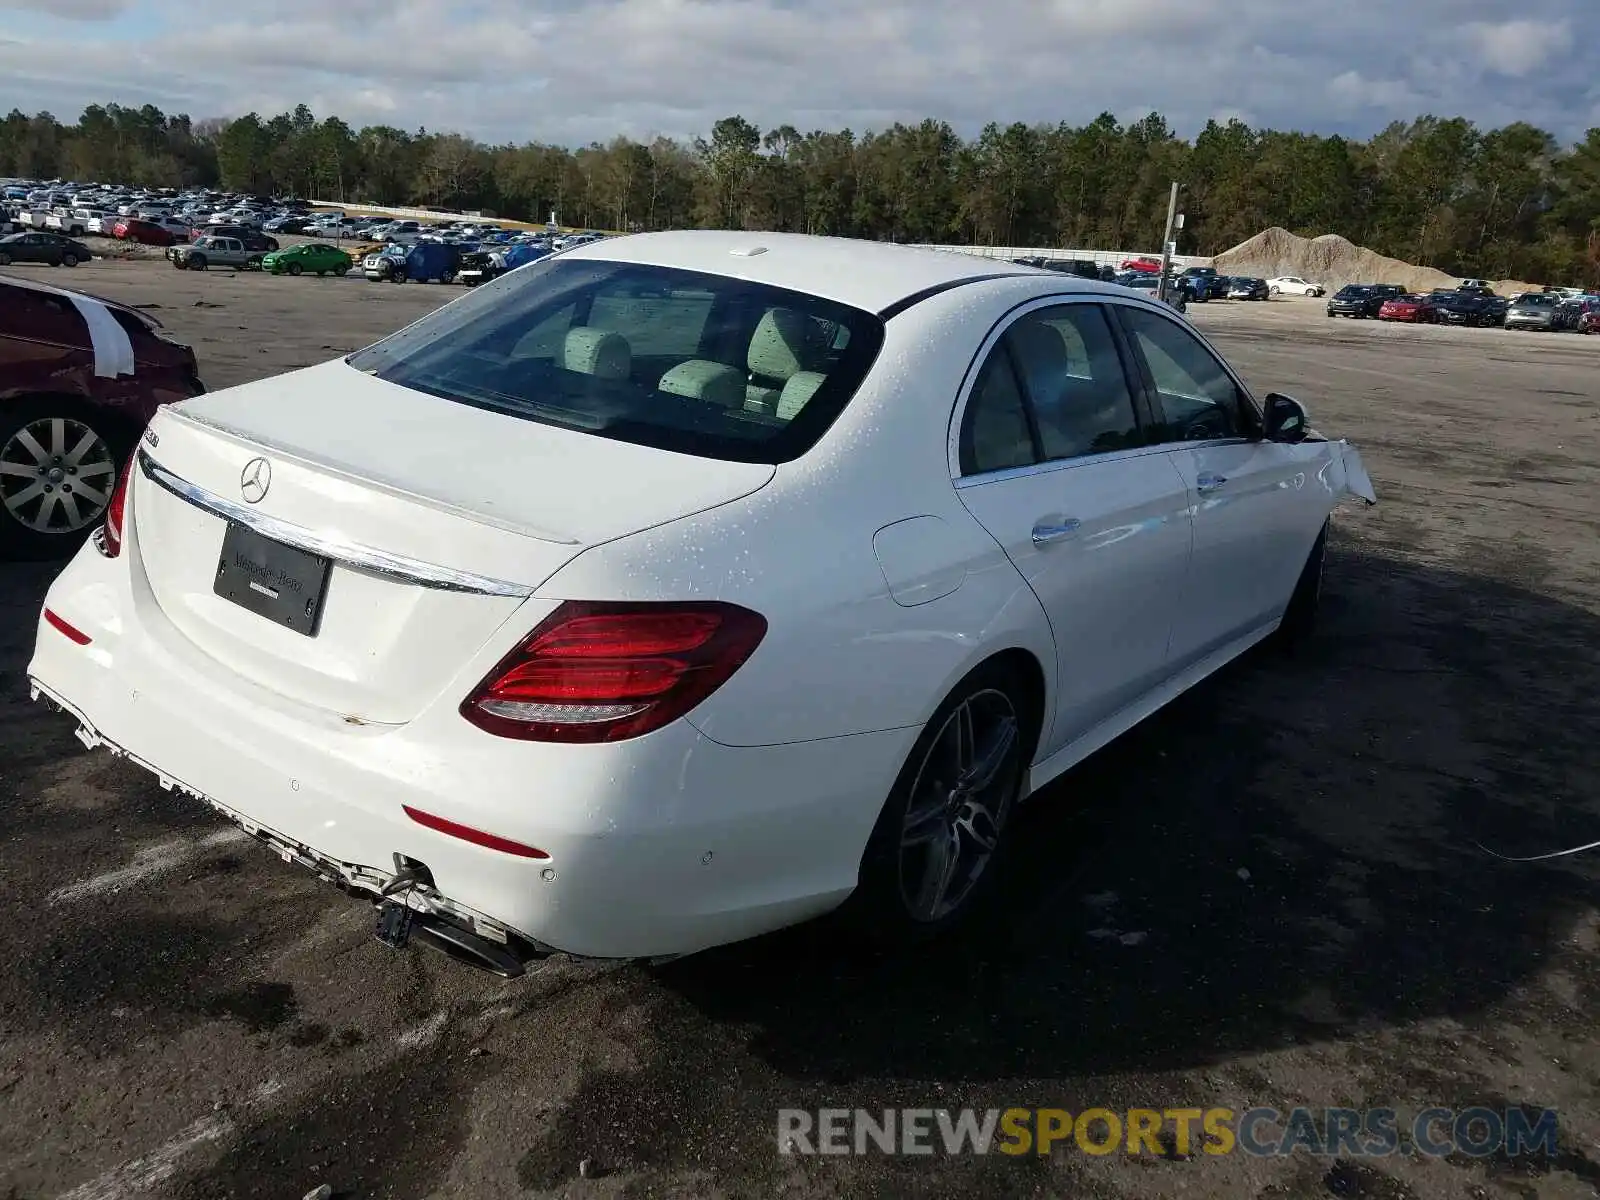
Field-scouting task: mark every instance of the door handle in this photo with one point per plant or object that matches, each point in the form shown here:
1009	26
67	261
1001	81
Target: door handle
1046	532
1209	482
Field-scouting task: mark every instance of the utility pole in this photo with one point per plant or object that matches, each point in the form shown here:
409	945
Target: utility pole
1166	242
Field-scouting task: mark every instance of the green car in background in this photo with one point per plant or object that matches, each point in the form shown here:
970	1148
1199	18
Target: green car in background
317	257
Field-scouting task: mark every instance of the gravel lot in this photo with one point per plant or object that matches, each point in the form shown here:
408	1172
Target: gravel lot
184	1016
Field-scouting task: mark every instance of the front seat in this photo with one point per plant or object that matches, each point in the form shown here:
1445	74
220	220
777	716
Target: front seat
783	345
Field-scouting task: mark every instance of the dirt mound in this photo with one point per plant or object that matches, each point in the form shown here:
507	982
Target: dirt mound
1334	261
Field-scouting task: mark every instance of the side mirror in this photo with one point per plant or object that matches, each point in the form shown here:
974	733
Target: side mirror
1286	419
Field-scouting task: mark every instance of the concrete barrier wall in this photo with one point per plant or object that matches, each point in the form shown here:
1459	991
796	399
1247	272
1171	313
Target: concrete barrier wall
1098	257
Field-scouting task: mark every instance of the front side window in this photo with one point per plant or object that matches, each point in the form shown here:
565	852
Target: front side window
681	360
1198	398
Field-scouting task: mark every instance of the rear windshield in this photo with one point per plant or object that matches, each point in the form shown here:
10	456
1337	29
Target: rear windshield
695	363
1540	301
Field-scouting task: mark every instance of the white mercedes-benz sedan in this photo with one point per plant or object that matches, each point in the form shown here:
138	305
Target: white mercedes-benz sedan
685	586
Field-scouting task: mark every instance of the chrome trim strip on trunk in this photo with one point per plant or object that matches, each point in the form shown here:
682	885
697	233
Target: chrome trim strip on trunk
346	553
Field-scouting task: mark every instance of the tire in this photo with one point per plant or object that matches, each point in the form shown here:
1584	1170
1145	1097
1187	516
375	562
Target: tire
28	529
197	262
294	268
896	901
448	277
1272	291
177	264
1305	602
5	260
341	271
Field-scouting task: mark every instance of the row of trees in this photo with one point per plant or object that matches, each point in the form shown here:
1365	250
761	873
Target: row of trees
1508	202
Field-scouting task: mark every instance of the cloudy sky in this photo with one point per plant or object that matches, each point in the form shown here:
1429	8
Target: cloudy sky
571	71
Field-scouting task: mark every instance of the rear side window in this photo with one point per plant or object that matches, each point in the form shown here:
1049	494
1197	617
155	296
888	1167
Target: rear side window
1075	381
695	363
1052	388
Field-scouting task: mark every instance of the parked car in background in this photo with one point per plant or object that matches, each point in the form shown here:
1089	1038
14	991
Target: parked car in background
1494	310
1463	308
1481	286
1243	287
421	262
1143	281
144	233
1358	300
480	266
1413	307
633	749
253	239
1293	285
1569	312
315	258
207	252
74	222
1590	321
1203	284
1536	310
51	249
79	378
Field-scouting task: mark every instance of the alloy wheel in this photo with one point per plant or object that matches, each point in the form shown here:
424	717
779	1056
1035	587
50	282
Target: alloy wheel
959	803
56	475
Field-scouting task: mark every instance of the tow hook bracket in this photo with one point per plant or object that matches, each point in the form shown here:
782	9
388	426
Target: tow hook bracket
394	924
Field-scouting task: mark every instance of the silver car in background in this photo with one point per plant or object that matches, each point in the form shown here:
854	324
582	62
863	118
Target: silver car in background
1534	311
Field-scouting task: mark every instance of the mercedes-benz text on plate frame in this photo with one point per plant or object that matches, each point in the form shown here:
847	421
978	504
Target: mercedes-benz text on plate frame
744	539
254	480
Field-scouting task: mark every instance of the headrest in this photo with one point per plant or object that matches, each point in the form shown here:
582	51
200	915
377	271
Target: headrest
597	352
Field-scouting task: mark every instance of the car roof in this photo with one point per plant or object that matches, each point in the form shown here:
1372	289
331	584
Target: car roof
876	276
11	281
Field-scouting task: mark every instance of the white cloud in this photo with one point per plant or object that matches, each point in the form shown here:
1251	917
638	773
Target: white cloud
1519	48
580	70
72	10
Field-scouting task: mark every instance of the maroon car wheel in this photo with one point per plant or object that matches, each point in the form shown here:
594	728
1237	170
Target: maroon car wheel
58	466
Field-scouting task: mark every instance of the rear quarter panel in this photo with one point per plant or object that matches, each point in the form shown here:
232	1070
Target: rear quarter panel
841	655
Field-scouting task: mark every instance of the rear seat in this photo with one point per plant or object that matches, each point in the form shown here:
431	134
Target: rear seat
598	352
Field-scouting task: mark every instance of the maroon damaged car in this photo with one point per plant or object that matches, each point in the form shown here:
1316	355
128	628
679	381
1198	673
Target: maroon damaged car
80	377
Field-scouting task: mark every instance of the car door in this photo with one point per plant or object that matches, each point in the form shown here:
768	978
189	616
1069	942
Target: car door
1257	505
1054	456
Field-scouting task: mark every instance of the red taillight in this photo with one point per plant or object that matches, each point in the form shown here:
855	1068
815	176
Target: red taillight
71	632
116	514
598	672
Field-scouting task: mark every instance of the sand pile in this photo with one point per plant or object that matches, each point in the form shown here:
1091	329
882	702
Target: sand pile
1334	261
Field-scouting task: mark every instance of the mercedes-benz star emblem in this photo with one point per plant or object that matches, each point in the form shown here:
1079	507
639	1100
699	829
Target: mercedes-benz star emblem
255	479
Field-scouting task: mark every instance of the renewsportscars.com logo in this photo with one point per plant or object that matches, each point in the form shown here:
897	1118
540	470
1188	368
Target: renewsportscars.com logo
1261	1132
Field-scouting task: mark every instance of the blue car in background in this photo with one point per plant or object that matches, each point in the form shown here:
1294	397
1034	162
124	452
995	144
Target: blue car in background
420	262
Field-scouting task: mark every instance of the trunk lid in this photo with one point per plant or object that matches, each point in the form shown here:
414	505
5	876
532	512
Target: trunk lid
440	520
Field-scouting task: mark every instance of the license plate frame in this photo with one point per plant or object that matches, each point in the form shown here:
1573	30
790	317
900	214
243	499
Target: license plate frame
284	584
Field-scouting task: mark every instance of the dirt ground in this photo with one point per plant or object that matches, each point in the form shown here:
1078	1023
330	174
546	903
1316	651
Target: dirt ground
1298	840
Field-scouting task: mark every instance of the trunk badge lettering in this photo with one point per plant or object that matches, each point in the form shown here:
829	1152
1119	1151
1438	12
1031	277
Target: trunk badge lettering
255	479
